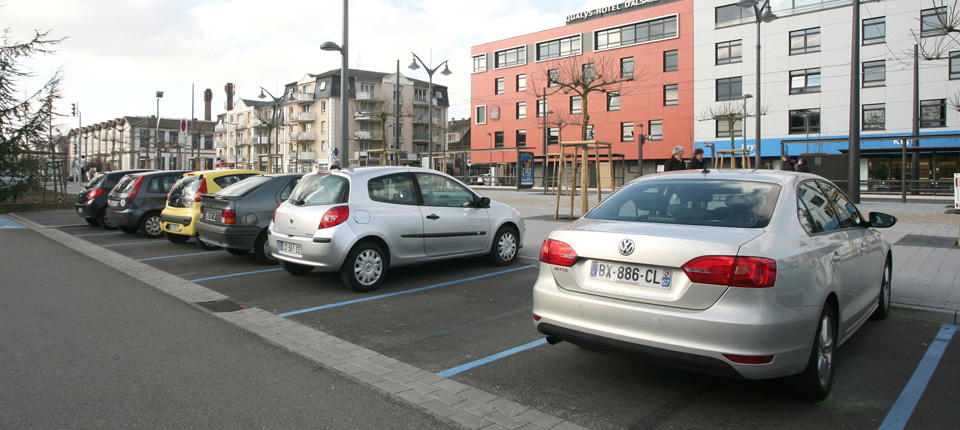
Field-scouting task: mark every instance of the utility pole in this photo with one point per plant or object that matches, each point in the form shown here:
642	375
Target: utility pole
853	166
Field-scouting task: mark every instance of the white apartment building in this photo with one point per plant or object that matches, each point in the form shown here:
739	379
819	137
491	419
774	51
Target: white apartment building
805	77
132	142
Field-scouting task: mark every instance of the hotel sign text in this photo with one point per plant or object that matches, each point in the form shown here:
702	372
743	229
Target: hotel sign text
607	9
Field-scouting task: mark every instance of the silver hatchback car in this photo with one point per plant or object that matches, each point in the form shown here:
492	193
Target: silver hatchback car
363	221
747	274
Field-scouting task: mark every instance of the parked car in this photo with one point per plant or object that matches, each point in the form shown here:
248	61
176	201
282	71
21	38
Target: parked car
746	274
236	217
136	201
179	217
362	222
92	199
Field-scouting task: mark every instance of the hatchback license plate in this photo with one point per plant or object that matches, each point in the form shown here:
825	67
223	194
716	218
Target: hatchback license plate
173	227
113	203
630	274
210	216
290	248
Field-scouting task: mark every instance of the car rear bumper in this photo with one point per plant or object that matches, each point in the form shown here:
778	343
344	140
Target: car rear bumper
744	322
183	224
88	210
123	218
320	252
238	237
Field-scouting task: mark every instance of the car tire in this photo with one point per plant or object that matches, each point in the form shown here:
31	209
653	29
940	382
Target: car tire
296	269
104	223
92	221
883	306
261	249
505	246
204	245
237	251
176	238
150	226
128	230
364	268
817	378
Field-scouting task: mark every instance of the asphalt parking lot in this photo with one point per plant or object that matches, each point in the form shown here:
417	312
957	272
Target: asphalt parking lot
471	322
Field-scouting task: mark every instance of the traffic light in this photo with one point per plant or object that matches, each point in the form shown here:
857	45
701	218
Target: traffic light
73	109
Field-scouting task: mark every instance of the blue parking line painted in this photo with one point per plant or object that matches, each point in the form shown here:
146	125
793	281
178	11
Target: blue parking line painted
9	223
133	243
98	234
236	274
415	290
900	412
178	256
477	363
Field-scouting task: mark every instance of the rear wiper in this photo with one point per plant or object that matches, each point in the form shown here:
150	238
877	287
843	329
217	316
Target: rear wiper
300	202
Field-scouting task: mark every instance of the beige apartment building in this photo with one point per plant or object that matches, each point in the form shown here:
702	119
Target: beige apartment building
299	131
136	141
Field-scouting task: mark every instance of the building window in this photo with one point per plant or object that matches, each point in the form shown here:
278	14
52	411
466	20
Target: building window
723	128
955	65
933	113
730	52
498	139
481	114
553	136
626	131
626	67
541	107
323	107
874	30
729	88
804	41
632	34
521	110
565	47
553	77
480	63
521	138
590	132
521	83
576	105
805	81
671	95
613	101
874	73
874	117
419	95
732	14
510	57
656	130
932	20
499	86
804	121
588	74
670	61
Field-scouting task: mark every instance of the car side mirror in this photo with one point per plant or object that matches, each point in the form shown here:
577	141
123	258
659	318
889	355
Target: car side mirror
882	220
484	203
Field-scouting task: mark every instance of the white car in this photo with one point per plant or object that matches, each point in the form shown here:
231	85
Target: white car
362	222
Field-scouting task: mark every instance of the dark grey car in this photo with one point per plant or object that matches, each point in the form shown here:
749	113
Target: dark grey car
92	200
236	217
136	201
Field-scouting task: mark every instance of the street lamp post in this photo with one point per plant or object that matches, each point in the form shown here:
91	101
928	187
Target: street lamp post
344	83
156	134
277	114
761	13
430	72
744	129
546	142
641	139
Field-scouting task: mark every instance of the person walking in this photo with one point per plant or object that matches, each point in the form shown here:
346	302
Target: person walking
697	163
787	164
802	165
676	161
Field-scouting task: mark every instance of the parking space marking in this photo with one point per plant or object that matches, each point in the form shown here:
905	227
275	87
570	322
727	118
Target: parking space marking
236	274
133	243
178	256
9	223
98	234
900	412
452	329
382	296
477	363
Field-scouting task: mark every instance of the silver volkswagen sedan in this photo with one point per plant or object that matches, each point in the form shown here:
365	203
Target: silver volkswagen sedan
747	274
363	221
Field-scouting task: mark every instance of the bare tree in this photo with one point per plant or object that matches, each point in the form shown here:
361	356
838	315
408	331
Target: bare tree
943	37
730	112
383	109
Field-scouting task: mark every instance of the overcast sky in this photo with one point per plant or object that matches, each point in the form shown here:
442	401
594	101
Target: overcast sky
119	53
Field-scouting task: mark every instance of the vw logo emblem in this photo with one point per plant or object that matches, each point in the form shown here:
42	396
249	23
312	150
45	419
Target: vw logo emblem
626	247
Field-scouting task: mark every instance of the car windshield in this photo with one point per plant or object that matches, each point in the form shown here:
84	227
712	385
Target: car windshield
721	203
320	189
245	186
125	183
182	193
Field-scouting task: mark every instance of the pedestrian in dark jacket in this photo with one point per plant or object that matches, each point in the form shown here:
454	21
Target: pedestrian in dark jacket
676	161
696	162
802	166
787	164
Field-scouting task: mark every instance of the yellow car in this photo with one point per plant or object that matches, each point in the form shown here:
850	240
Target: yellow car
179	218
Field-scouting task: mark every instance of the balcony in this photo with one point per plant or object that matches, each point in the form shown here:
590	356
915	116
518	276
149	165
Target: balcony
420	101
365	116
219	144
221	128
261	140
303	98
303	136
364	95
367	135
421	137
307	156
304	117
420	119
240	124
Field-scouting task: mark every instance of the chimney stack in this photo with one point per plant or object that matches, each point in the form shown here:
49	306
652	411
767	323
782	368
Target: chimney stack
207	99
229	89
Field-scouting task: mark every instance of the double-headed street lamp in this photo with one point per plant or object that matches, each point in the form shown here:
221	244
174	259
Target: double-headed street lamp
430	72
277	115
761	13
156	134
344	83
641	139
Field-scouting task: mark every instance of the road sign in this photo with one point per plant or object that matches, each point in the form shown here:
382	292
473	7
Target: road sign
336	152
183	126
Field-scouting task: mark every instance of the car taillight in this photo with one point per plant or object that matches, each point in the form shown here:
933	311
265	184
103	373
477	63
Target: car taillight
229	216
136	188
202	189
746	272
557	252
334	216
94	193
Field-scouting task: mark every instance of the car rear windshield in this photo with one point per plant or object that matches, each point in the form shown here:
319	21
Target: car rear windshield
245	186
97	181
719	203
183	192
125	183
320	189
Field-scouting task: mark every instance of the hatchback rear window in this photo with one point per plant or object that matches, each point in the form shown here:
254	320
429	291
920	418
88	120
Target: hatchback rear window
182	194
718	203
124	184
245	186
322	189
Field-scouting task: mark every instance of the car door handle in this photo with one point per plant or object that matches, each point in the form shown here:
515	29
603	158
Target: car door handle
836	257
433	216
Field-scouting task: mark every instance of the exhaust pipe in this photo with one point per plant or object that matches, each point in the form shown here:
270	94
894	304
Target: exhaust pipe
553	340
